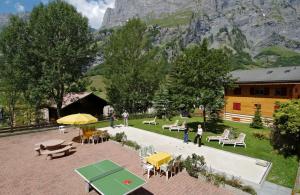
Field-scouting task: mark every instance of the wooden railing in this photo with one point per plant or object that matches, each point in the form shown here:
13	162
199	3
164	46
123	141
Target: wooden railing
27	128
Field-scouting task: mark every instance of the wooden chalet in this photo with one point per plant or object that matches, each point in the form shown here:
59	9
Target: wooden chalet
263	88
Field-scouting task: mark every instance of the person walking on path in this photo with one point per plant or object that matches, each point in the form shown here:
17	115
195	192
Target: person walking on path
198	136
112	119
125	117
186	134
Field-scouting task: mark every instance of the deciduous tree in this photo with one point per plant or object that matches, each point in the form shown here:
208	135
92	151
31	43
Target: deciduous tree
12	76
134	67
200	76
286	133
61	46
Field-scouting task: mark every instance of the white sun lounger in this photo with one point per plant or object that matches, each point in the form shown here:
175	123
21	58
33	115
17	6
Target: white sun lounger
153	122
220	138
240	141
178	128
169	126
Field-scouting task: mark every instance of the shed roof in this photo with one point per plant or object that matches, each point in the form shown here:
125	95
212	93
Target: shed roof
71	98
268	75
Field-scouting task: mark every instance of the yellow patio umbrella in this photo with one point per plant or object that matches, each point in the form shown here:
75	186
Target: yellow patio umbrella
77	119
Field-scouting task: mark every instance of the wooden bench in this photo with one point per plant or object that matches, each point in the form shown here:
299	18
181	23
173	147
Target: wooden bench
38	151
50	153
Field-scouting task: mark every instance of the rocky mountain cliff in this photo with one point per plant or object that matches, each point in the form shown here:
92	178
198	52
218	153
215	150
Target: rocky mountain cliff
126	9
257	27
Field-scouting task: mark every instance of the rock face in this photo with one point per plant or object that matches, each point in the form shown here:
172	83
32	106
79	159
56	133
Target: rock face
242	24
126	9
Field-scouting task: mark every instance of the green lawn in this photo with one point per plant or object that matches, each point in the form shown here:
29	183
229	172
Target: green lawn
283	170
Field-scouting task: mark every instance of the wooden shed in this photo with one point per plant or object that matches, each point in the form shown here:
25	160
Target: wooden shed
73	103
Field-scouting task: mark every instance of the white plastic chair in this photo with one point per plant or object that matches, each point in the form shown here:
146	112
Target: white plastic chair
61	129
147	167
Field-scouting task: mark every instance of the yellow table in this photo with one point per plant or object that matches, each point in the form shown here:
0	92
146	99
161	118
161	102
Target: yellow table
159	159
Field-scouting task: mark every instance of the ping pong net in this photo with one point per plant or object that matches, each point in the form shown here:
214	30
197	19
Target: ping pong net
105	174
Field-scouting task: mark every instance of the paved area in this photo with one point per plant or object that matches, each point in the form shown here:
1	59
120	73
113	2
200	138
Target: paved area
271	189
232	164
23	173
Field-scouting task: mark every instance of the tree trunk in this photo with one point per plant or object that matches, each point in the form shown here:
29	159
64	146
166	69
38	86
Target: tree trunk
58	110
11	119
60	99
37	115
204	118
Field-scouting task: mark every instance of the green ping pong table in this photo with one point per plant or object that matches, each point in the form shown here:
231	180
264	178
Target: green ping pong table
106	177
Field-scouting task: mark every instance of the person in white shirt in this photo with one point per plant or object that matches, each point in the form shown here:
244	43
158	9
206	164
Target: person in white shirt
198	136
125	116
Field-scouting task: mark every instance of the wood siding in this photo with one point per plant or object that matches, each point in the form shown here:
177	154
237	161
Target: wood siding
248	105
248	101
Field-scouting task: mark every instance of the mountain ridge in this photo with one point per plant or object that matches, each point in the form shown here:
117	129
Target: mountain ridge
243	25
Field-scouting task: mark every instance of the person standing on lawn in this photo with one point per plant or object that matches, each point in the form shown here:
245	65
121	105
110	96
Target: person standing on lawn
125	117
198	136
112	119
186	134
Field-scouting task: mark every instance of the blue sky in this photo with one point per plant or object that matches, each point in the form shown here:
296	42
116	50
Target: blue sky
93	9
14	6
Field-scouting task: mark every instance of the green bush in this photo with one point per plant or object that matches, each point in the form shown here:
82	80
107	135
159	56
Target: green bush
249	190
216	179
119	137
257	121
122	138
141	116
234	182
194	165
285	136
132	144
261	135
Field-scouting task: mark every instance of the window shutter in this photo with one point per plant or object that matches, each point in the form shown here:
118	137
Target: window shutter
236	106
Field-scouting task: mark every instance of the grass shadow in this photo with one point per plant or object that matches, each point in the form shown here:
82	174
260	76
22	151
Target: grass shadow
209	126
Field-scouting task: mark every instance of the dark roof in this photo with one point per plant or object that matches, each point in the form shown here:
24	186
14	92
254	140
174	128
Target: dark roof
268	75
71	98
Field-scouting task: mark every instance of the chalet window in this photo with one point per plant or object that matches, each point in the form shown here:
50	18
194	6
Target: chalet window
266	91
252	91
236	106
259	91
281	91
237	91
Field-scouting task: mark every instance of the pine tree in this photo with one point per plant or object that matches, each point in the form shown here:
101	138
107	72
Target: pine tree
163	103
257	121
